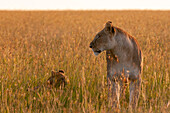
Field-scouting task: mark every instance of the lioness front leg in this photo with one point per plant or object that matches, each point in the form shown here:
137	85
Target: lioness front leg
113	94
135	87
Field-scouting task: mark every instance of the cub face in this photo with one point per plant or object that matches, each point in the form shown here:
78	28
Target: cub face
57	79
104	40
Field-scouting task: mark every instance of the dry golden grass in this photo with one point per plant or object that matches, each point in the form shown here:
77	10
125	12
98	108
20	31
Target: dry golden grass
34	43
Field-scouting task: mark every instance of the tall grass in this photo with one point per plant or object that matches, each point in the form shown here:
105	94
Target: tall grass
34	43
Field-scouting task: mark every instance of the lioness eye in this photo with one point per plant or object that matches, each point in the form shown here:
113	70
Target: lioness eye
98	36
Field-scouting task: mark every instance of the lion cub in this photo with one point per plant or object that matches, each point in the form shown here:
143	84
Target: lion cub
57	79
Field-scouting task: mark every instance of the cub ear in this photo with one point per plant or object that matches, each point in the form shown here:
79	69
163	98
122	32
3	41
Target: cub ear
109	27
61	71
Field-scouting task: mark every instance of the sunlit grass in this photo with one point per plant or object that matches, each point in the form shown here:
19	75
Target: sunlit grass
34	43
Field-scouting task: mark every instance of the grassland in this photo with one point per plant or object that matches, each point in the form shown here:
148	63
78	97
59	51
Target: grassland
34	43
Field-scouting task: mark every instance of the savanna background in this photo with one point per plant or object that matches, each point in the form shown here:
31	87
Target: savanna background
32	43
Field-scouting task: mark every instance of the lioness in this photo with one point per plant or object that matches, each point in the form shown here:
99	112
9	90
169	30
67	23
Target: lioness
124	62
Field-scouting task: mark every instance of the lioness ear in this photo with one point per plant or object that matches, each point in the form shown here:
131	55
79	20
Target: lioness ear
109	27
113	30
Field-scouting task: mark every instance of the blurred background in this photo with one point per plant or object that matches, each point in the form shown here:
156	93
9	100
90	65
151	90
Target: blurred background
84	4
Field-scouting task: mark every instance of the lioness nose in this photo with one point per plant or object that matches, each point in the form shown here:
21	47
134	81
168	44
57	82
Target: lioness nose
90	46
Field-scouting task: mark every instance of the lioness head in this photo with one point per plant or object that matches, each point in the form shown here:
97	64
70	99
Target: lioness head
104	40
57	79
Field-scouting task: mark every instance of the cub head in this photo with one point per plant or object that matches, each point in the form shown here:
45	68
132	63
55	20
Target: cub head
57	79
104	40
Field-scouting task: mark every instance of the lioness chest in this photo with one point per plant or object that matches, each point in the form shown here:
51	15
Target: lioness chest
116	68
